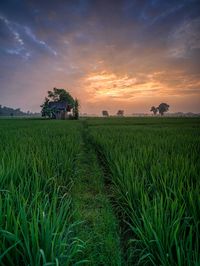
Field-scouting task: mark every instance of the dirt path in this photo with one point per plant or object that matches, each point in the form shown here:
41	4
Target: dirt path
99	228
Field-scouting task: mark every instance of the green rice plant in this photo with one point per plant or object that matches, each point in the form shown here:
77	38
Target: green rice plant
37	164
153	166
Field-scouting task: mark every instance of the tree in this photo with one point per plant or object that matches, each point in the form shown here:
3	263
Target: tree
45	108
154	110
105	113
60	95
76	109
120	113
162	108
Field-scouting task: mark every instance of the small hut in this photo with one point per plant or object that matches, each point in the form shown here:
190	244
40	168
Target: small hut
59	110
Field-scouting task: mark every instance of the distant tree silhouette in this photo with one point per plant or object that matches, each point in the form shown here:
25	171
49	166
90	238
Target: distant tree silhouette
8	111
120	113
163	108
154	110
105	113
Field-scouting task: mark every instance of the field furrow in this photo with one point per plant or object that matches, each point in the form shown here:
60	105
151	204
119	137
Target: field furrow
99	228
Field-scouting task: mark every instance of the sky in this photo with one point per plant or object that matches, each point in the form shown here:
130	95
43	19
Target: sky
110	54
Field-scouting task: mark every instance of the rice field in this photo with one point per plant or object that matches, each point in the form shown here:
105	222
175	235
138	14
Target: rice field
37	166
154	167
148	177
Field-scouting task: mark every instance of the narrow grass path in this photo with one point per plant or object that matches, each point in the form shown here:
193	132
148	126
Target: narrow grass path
99	228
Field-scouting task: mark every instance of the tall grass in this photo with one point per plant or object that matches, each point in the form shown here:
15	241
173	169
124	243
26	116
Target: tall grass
154	169
37	164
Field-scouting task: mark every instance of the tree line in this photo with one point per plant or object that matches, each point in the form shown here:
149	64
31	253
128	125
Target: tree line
8	111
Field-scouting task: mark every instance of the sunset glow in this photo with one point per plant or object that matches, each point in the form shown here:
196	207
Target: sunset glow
122	87
110	54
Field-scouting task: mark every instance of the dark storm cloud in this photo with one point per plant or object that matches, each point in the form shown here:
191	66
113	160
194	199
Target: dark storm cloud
49	43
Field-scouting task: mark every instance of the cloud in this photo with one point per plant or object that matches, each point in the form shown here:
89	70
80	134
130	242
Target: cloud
104	86
18	43
33	37
185	38
23	40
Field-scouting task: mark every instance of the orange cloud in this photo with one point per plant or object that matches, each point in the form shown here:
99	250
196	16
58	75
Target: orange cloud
104	85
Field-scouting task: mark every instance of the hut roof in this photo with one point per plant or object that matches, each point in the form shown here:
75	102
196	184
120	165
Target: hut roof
58	105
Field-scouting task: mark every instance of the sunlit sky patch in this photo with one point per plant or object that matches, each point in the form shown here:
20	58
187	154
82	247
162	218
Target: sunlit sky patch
116	54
